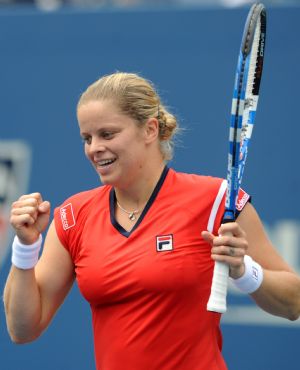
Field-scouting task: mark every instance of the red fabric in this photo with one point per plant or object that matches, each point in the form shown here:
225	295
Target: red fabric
148	306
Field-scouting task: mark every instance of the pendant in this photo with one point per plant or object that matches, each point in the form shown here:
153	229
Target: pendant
131	216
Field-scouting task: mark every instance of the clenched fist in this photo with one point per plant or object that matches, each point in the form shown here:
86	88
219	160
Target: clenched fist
29	217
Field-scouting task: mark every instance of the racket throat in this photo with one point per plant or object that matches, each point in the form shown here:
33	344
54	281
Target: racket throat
229	216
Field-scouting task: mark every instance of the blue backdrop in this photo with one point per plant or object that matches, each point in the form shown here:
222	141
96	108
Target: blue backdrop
48	59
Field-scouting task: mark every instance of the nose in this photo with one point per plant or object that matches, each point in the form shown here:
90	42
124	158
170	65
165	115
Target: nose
96	146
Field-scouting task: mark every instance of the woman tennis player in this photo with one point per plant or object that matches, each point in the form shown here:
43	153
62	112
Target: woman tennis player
138	245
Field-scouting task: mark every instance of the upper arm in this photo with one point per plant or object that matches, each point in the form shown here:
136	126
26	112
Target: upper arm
54	275
260	247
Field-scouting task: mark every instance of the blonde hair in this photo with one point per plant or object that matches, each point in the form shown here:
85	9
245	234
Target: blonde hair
137	98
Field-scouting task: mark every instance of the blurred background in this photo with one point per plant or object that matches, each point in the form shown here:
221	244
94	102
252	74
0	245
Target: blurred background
52	49
55	4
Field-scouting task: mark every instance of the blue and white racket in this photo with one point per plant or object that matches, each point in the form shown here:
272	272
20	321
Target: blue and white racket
244	104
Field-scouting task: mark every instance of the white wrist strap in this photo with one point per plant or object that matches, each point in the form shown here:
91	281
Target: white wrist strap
252	278
25	256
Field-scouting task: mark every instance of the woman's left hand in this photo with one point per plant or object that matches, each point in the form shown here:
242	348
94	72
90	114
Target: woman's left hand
229	246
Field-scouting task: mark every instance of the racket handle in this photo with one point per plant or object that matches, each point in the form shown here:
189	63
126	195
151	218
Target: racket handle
217	299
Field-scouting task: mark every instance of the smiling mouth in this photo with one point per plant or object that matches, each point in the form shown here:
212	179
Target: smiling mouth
105	162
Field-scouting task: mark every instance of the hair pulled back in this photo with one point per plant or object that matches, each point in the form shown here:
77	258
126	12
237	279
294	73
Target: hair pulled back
137	98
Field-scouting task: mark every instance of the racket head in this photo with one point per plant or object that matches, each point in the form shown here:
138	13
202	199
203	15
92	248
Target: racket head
256	13
244	103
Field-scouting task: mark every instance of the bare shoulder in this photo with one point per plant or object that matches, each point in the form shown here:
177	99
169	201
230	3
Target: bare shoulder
260	247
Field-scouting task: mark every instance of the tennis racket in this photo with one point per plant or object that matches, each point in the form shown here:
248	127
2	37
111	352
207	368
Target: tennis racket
244	104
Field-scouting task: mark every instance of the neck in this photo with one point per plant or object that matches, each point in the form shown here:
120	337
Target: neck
137	195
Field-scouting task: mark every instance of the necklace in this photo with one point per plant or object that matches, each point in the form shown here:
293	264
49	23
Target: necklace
131	214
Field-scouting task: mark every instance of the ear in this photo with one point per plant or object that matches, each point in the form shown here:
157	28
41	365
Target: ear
151	130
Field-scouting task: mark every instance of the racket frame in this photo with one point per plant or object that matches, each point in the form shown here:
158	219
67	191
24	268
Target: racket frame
244	104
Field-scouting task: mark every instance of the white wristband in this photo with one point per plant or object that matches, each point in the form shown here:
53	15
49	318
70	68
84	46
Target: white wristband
252	278
25	256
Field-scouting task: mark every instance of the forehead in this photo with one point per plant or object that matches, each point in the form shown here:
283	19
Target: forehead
97	108
101	113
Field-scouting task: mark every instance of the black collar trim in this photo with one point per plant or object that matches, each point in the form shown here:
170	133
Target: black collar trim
112	205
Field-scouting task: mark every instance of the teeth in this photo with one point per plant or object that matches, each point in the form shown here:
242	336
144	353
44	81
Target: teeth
105	162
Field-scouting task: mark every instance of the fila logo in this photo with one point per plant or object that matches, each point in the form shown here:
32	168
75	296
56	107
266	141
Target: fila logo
67	216
254	273
164	243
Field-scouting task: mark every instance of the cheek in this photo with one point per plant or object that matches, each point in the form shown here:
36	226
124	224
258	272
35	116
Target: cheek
87	152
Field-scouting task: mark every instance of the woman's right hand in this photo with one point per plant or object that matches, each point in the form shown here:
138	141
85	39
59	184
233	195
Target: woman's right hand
30	216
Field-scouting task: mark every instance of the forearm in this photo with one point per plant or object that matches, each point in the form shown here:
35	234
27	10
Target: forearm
279	294
23	307
37	287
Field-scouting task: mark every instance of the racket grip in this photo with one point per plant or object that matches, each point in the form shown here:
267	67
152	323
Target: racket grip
217	299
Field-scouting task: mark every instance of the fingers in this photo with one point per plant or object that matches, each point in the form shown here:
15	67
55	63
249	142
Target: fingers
25	211
36	196
229	246
231	243
231	228
44	207
29	217
207	236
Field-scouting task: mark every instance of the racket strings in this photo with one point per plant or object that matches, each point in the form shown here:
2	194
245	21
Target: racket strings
253	64
239	107
245	102
243	109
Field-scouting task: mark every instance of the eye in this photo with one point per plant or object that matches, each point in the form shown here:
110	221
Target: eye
107	135
86	140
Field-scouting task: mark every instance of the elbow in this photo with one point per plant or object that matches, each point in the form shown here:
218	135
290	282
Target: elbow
294	311
18	338
22	340
294	315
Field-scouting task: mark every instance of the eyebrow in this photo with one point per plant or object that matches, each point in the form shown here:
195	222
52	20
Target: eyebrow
103	129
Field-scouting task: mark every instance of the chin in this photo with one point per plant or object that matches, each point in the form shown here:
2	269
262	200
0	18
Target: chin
107	180
104	180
